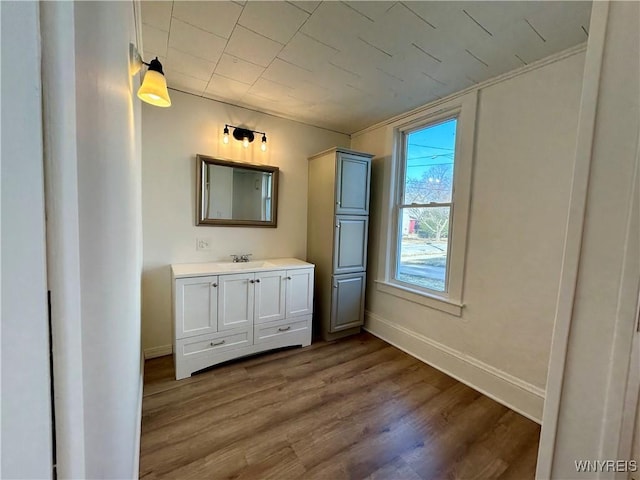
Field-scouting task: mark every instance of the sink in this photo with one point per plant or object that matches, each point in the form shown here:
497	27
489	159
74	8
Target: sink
239	266
252	264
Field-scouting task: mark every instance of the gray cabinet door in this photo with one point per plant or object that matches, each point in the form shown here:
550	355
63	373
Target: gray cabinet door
347	301
350	243
353	174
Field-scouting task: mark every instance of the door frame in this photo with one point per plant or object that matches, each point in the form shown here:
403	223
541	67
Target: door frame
601	434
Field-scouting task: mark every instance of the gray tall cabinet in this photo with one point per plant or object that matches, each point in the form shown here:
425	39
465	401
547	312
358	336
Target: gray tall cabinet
337	230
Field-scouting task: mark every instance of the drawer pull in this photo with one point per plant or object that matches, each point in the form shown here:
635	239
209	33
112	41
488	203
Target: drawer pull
284	329
216	344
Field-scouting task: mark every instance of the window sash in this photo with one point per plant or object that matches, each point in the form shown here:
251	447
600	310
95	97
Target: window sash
425	205
396	272
401	205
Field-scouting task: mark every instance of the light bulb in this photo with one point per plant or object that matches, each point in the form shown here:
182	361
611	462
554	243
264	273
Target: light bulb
263	147
245	142
225	138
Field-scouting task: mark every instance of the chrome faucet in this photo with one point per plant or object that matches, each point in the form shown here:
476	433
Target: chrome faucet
240	258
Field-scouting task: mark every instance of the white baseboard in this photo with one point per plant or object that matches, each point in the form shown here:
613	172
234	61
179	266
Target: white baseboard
513	392
160	351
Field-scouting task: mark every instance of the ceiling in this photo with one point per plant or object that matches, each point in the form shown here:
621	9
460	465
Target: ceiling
348	65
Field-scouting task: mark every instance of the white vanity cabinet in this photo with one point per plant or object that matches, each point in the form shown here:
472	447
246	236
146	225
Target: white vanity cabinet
299	299
270	288
223	311
195	306
235	301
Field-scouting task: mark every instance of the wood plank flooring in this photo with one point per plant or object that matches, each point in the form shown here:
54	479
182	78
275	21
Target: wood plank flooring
356	408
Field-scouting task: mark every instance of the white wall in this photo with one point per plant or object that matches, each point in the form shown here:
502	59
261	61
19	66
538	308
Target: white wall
170	140
526	132
26	402
109	214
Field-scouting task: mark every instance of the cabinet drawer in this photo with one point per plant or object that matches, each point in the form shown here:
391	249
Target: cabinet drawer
267	332
194	346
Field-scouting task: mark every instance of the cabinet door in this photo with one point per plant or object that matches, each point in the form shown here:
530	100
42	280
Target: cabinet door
347	301
270	296
350	244
299	292
353	174
196	306
235	301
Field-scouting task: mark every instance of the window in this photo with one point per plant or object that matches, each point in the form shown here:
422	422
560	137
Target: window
426	243
426	204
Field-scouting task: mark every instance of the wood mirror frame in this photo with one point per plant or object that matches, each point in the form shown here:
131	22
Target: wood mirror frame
264	187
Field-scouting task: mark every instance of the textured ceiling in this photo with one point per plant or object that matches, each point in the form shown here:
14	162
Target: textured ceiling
348	65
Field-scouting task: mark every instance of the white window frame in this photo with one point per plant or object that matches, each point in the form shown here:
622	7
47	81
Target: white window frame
462	108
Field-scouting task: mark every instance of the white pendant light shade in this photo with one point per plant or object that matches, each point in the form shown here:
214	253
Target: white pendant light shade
154	86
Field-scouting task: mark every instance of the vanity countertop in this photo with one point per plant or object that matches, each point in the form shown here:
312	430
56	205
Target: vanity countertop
180	270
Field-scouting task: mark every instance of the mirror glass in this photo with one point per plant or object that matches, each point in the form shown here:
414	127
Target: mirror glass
236	194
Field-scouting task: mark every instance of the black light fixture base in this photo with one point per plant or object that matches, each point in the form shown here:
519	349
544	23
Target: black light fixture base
242	133
155	66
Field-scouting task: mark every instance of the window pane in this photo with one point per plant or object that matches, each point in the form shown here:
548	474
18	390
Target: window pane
429	168
424	243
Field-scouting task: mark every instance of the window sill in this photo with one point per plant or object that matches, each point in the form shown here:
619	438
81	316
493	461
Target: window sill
422	298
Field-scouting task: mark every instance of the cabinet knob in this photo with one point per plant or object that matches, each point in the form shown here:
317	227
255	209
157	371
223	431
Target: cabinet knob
214	285
288	278
252	281
216	344
335	286
257	280
338	203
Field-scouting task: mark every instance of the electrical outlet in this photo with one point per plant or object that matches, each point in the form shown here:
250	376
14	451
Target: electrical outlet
203	244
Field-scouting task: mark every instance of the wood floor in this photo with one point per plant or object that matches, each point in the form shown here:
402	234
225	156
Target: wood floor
351	409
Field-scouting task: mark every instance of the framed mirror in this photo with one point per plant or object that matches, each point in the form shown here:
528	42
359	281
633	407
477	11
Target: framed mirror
236	194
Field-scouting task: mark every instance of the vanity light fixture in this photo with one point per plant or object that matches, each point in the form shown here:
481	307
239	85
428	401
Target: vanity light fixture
244	135
154	85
